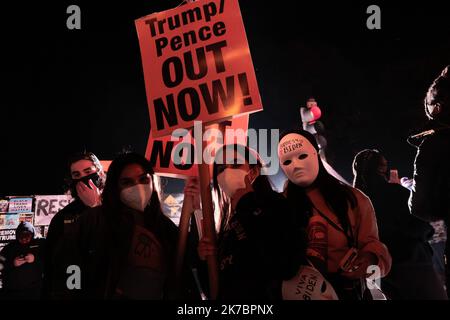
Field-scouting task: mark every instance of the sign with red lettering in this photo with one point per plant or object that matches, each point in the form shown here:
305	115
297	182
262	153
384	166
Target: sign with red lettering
197	65
176	157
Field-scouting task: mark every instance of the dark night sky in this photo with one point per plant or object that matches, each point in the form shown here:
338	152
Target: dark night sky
64	90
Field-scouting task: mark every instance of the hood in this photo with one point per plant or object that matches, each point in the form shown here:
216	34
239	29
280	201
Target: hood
25	226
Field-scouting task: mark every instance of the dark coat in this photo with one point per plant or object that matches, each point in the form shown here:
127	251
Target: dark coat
261	247
25	281
405	235
430	197
60	249
105	243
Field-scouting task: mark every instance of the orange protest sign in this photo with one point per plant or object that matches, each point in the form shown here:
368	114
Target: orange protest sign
197	65
177	158
105	164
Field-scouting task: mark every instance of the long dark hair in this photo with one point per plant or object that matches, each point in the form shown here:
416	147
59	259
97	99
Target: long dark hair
337	195
113	207
261	185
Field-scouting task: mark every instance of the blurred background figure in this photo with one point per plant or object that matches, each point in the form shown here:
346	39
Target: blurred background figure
430	193
23	265
412	275
310	116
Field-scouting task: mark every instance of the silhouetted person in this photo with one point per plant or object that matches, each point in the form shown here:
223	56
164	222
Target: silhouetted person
23	265
430	198
412	274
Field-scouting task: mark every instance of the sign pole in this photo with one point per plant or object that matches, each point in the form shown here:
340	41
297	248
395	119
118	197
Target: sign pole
209	229
182	240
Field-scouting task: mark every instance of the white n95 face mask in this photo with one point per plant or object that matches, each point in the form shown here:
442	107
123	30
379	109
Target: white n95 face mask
137	197
230	180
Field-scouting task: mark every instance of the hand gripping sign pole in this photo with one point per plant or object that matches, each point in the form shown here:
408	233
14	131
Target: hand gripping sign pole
183	228
209	230
197	67
208	226
238	127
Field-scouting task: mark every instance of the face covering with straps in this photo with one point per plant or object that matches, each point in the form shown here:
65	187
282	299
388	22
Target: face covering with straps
137	197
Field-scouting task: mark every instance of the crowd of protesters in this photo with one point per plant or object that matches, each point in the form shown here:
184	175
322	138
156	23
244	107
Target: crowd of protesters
379	228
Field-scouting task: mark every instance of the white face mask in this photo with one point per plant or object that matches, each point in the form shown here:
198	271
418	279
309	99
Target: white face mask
298	159
137	197
230	180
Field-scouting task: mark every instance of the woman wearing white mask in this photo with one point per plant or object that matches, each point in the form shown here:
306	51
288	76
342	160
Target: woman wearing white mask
257	247
128	244
342	230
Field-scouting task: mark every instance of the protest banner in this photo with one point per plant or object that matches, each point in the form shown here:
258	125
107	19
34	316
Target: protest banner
47	206
18	205
4	205
197	65
26	217
9	221
7	235
105	164
176	158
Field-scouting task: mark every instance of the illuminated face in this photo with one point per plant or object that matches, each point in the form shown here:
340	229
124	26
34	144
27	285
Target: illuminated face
298	159
132	175
82	168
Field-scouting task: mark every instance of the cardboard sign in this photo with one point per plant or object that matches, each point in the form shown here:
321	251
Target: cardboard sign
4	205
197	65
2	221
26	217
105	165
18	205
47	206
163	153
9	221
7	235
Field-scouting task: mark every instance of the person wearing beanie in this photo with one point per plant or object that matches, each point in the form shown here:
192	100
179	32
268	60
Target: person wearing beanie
430	194
343	242
23	265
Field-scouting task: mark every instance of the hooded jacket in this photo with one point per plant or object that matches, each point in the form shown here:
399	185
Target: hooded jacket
19	281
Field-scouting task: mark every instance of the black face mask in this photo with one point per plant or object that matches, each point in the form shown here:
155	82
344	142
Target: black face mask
95	177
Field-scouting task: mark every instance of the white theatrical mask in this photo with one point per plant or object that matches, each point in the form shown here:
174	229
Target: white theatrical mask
298	159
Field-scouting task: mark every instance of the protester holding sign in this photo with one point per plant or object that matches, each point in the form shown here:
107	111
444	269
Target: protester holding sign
342	229
127	245
23	266
257	245
86	181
